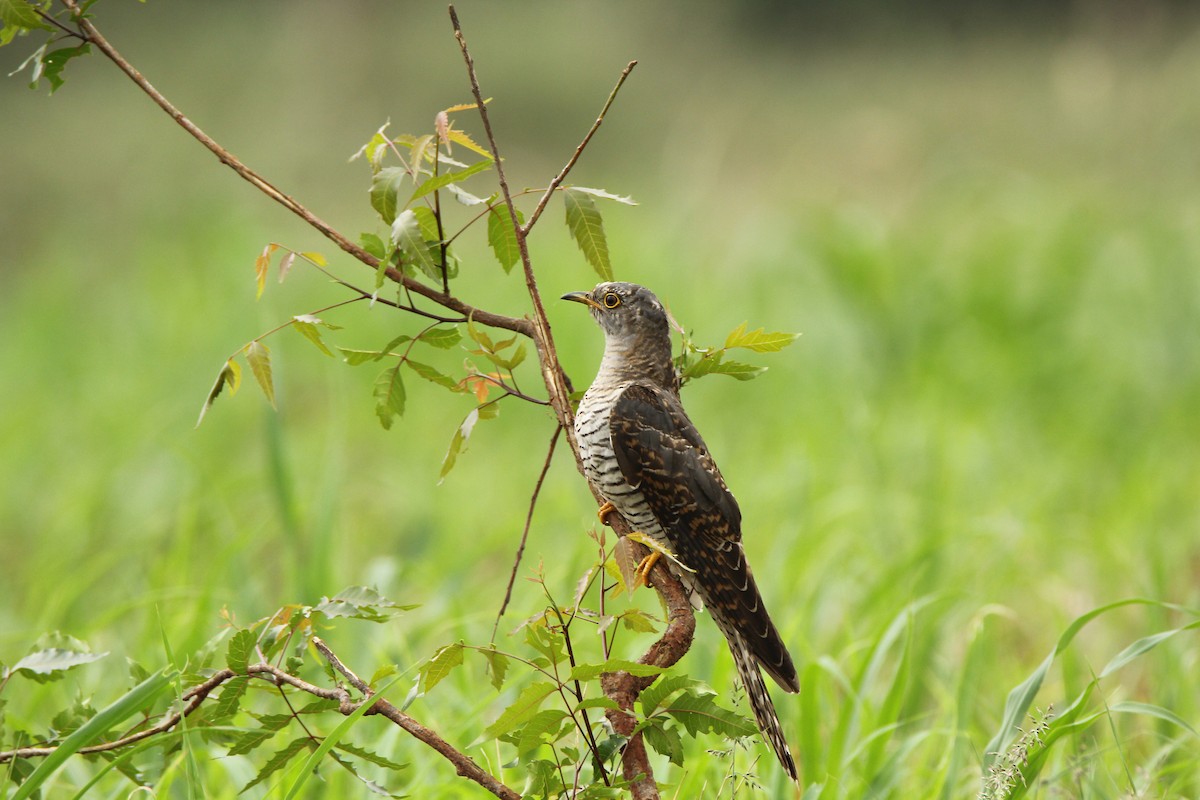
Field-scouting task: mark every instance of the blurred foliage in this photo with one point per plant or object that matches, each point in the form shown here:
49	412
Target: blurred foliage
988	235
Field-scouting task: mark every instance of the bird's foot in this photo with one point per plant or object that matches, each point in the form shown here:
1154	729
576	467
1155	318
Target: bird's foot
605	512
642	572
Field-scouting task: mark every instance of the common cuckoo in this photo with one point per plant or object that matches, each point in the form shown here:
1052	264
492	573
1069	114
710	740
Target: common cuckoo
648	461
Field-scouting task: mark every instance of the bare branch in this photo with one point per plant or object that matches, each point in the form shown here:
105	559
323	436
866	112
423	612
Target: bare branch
562	175
537	488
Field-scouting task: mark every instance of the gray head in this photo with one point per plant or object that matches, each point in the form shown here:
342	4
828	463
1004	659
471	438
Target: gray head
636	331
625	310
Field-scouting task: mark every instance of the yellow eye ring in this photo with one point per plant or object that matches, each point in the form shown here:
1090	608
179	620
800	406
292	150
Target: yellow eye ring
612	300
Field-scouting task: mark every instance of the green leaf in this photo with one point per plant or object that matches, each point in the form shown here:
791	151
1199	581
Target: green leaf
442	338
543	727
497	666
259	358
433	375
406	234
373	245
17	14
50	664
656	693
758	341
521	710
231	374
460	438
502	238
665	741
384	187
629	201
440	665
699	713
587	672
389	396
307	325
370	756
360	602
231	697
587	229
280	759
55	61
446	178
734	369
241	648
121	709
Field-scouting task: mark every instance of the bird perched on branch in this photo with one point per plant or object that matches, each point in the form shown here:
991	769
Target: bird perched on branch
649	462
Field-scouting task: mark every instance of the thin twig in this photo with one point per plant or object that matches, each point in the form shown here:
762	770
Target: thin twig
552	372
92	35
561	176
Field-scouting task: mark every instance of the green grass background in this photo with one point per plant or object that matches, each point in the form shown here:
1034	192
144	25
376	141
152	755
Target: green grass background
989	237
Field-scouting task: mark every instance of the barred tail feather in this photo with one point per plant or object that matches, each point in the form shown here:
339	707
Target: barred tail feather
760	700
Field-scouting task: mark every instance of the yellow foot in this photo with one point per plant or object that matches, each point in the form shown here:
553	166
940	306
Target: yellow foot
642	573
605	511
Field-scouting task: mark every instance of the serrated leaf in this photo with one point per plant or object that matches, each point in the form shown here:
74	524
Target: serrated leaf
370	756
55	61
699	713
385	185
598	702
758	341
502	237
479	336
50	664
360	602
407	235
280	759
231	697
258	356
656	693
665	741
634	619
389	396
464	197
447	178
21	14
373	245
460	137
262	265
456	443
522	709
441	338
587	229
629	201
231	375
497	666
241	649
542	727
587	672
715	366
309	330
440	665
433	375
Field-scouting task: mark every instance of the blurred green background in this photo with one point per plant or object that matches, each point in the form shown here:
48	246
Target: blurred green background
985	225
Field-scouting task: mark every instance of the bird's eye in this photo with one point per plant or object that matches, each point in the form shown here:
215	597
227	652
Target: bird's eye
612	300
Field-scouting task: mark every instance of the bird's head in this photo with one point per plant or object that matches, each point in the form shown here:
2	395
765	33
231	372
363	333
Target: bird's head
625	311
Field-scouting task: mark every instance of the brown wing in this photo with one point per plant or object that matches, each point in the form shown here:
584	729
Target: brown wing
660	452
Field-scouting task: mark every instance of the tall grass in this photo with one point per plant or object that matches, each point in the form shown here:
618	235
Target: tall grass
986	431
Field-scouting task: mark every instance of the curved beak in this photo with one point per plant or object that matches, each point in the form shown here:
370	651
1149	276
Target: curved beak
581	297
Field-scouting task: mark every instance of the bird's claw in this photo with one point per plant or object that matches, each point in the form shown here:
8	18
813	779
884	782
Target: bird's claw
605	512
642	571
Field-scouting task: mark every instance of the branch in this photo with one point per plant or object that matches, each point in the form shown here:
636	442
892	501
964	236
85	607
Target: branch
196	695
561	176
624	688
442	298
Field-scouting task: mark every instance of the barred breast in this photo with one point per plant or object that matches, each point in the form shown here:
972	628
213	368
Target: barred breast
600	463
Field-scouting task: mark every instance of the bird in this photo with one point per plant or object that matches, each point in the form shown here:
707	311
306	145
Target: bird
649	463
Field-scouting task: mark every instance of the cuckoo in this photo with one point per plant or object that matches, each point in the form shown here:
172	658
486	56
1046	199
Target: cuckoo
647	459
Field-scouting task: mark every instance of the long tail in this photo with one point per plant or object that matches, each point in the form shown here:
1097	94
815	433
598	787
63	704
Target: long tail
760	701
